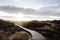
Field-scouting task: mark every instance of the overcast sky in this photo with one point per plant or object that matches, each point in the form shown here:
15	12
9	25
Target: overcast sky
29	3
30	9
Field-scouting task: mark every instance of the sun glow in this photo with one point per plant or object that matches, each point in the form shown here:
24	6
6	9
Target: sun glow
23	17
14	17
10	16
19	17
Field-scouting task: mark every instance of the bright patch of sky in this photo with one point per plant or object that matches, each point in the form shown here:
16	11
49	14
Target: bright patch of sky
22	17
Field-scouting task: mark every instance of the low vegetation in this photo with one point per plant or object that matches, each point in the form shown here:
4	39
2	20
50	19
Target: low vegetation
49	29
10	31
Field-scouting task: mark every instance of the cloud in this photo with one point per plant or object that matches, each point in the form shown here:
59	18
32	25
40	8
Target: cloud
47	12
11	9
52	10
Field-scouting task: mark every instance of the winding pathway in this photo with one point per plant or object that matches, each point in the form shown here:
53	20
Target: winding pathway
35	35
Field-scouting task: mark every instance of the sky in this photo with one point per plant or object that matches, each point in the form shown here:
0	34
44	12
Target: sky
29	3
22	10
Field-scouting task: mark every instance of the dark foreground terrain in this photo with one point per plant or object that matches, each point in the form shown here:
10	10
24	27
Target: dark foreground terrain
10	31
49	29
